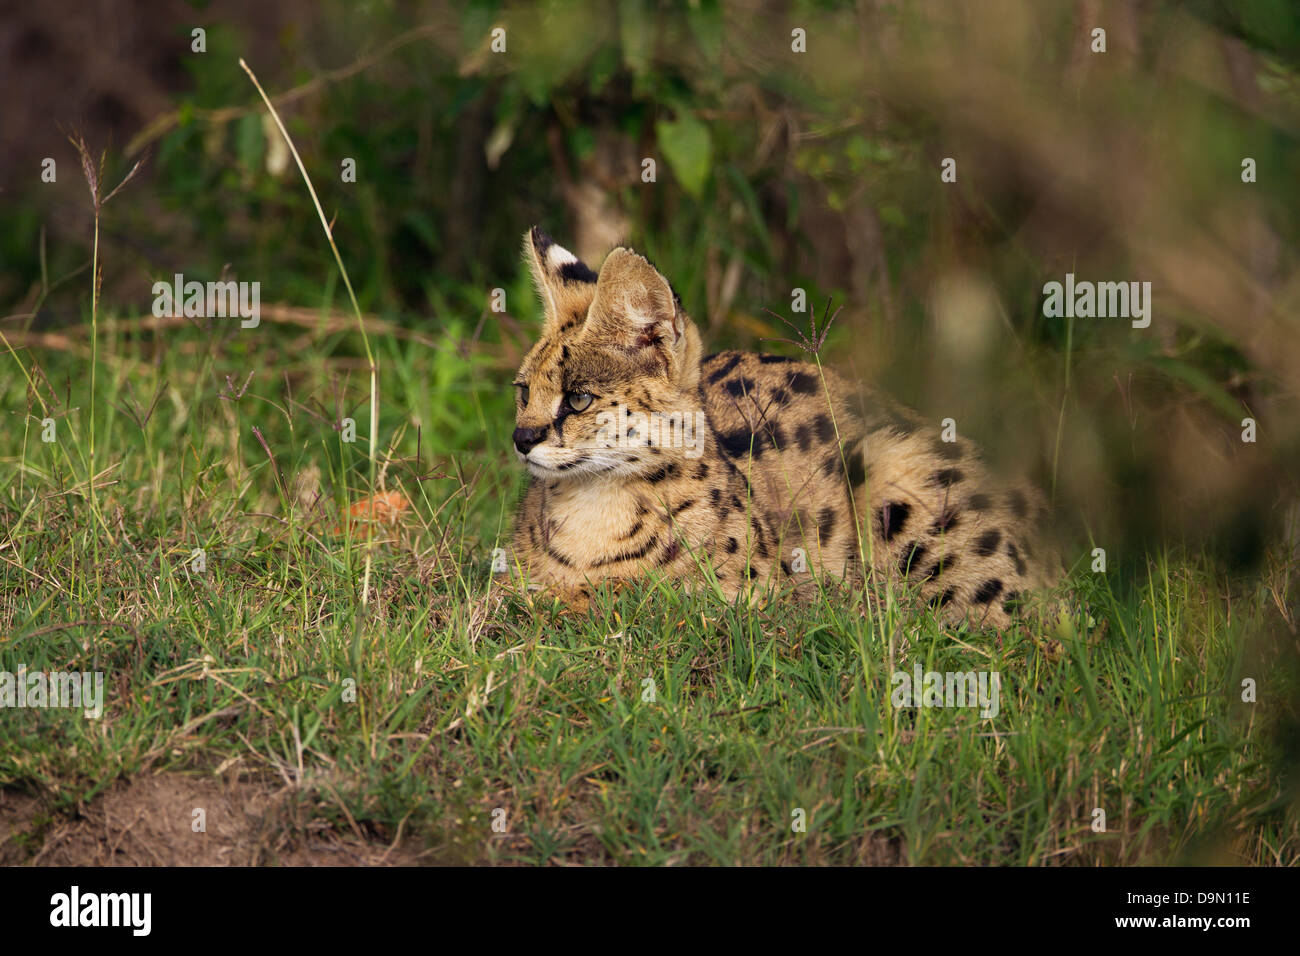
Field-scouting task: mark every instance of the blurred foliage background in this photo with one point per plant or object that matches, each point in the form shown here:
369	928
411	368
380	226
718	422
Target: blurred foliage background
775	169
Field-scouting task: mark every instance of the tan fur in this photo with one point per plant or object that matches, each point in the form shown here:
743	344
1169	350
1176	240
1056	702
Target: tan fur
789	460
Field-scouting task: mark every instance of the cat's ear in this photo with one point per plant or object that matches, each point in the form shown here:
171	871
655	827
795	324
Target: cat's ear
564	281
635	308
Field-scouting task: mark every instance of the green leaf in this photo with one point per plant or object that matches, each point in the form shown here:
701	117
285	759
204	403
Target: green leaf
687	146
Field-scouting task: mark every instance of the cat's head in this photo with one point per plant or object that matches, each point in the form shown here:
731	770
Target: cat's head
615	345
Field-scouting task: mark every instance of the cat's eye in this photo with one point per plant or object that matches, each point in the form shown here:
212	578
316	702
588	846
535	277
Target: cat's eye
523	393
578	401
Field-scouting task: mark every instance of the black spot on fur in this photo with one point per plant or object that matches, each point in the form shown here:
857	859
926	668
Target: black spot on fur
857	468
988	591
751	572
741	444
786	569
659	474
1017	503
899	423
732	545
577	272
946	477
556	556
774	359
988	543
633	555
944	599
913	555
716	497
671	550
1012	602
1014	555
722	371
802	382
826	523
674	512
979	502
701	471
825	429
736	444
803	437
948	450
945	563
738	387
779	397
892	518
946	521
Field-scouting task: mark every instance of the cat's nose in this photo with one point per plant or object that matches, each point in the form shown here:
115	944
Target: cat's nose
526	438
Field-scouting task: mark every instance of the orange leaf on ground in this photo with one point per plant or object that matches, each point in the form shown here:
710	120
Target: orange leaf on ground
386	507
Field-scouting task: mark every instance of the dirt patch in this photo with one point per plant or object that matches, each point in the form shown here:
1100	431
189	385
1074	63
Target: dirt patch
150	821
19	823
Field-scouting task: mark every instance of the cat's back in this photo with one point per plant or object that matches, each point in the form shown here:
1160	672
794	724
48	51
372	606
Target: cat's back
793	428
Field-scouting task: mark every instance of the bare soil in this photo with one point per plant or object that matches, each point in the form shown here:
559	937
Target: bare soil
149	821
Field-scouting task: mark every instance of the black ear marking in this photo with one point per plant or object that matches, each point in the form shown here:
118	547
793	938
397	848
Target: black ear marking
577	271
541	241
570	270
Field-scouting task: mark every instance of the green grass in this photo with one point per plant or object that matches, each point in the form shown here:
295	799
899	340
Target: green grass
470	700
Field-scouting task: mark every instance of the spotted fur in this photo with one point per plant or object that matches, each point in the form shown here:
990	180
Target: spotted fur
791	466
